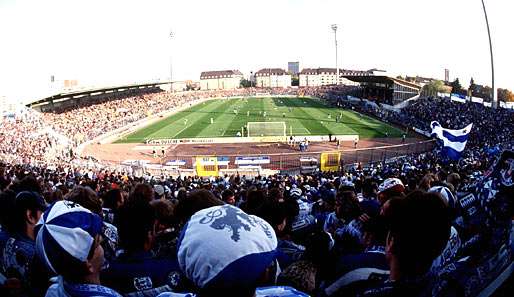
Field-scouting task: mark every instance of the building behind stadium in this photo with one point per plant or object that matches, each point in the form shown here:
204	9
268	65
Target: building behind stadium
220	80
315	77
272	77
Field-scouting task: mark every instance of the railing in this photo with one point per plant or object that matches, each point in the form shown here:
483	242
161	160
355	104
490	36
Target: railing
291	163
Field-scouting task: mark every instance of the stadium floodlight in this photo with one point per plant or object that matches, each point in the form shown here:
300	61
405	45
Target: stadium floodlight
494	95
171	63
260	129
334	28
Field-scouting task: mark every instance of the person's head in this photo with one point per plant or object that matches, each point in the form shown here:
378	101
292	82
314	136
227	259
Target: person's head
427	181
113	199
226	252
28	208
347	205
276	194
419	228
195	201
375	231
163	214
136	226
68	242
369	188
275	213
454	179
142	192
391	187
228	197
254	200
28	183
346	185
159	191
86	198
446	194
317	247
7	199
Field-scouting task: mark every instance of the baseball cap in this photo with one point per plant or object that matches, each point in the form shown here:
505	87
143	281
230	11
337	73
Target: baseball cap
29	200
391	184
295	192
65	234
223	247
159	190
445	193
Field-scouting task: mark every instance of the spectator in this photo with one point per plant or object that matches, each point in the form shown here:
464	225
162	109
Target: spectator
228	197
391	187
419	228
136	270
20	247
159	191
112	201
216	261
68	242
88	199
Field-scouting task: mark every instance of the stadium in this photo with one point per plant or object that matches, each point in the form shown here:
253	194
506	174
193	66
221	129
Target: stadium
313	181
271	133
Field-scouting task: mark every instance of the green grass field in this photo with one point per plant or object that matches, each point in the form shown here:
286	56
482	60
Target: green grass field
306	117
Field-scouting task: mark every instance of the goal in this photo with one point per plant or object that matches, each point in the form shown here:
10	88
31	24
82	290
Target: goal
257	129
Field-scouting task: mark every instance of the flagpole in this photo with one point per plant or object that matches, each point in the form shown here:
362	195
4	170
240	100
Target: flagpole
494	95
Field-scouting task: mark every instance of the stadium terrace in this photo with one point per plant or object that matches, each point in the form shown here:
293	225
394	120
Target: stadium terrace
145	192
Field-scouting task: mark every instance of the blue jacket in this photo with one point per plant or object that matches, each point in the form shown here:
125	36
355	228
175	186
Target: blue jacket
17	257
142	272
63	289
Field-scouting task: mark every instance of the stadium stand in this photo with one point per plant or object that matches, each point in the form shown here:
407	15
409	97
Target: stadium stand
415	226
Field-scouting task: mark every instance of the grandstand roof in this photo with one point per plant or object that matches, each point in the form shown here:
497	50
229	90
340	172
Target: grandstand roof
381	79
272	71
219	73
314	71
92	91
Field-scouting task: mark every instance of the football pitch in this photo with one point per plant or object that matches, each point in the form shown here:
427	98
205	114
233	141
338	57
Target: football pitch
302	116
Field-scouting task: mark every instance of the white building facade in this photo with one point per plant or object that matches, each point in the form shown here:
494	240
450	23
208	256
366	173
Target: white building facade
220	80
315	77
272	77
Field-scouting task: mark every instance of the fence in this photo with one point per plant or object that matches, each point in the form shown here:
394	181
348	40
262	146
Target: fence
290	163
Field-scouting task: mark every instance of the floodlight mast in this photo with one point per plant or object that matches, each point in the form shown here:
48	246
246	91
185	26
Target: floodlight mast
334	28
171	63
494	95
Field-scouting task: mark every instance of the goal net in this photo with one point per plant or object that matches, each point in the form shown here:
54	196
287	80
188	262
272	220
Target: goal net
257	129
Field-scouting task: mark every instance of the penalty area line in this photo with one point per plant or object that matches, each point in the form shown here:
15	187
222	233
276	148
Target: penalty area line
182	130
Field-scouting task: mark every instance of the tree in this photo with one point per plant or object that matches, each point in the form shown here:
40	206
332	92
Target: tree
295	81
456	87
434	87
505	95
245	83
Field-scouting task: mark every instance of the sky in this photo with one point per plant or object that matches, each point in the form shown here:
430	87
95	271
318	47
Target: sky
109	42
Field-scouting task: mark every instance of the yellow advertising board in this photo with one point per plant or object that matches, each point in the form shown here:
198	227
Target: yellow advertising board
206	166
329	161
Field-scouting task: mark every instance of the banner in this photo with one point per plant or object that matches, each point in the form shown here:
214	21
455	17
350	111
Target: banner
207	166
252	160
330	161
176	163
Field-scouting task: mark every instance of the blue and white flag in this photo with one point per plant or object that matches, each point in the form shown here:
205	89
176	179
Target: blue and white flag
454	141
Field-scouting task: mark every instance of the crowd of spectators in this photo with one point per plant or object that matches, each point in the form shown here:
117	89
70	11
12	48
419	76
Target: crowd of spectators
25	138
34	137
491	127
411	226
